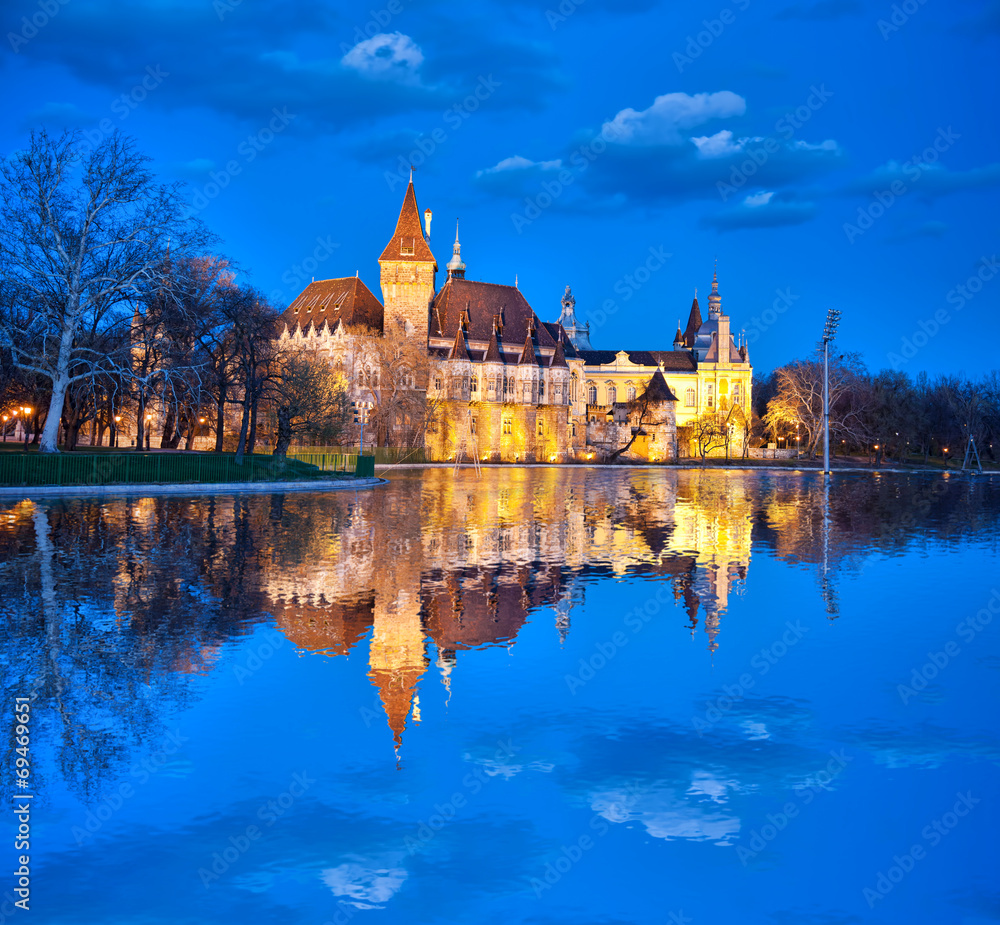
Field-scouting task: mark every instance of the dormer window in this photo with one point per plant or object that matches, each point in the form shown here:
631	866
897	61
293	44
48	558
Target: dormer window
406	250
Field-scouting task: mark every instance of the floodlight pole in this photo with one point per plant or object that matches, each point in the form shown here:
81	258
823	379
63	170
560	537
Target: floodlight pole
832	320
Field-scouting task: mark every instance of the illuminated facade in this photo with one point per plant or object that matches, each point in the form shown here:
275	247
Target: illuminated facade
507	386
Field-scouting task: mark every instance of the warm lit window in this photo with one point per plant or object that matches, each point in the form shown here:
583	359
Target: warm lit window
506	425
592	394
709	396
472	425
612	394
736	393
541	428
475	384
689	398
631	393
437	384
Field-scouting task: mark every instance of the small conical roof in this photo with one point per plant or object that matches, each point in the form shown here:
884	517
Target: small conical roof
559	357
658	390
528	353
493	354
459	350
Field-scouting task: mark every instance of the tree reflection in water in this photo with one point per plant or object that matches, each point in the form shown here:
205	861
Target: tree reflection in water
110	606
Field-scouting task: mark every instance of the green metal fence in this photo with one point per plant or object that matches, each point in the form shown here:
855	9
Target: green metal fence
27	469
383	455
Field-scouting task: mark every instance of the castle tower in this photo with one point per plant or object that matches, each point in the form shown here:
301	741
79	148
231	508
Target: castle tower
455	266
407	272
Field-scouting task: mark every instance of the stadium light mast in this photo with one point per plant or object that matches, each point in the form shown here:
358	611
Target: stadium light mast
829	332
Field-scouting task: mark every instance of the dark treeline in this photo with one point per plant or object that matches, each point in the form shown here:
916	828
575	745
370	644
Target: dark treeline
119	319
882	415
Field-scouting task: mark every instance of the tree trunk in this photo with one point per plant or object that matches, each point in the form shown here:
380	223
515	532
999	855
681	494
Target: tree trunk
284	434
244	425
168	429
220	418
252	438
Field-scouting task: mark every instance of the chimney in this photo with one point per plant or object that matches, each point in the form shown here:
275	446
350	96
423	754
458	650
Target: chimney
427	223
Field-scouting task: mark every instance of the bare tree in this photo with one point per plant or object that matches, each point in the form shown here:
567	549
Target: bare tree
79	233
391	371
309	396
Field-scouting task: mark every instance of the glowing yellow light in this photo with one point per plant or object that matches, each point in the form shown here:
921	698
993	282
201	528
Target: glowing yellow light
201	420
118	418
27	409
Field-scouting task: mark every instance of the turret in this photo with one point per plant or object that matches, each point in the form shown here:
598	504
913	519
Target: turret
455	267
408	271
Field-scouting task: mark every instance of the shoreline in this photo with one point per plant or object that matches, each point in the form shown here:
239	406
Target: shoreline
150	489
795	470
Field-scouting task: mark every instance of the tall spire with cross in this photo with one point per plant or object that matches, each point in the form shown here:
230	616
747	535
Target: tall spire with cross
455	267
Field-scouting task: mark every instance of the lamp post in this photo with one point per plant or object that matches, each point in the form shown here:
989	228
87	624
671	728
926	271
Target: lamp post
27	414
118	420
829	332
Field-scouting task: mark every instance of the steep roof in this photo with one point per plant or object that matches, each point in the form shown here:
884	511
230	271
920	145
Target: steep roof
483	301
331	301
528	353
409	233
658	390
459	350
559	357
694	322
493	354
675	361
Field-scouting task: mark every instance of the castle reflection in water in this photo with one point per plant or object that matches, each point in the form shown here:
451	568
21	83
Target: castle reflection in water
465	562
122	595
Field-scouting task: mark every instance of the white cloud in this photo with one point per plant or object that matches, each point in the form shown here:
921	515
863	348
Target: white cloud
364	887
754	201
718	145
662	123
386	57
519	163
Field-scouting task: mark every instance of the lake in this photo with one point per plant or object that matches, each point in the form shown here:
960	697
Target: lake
545	695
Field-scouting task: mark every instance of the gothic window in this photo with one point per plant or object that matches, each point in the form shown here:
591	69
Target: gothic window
472	425
526	392
475	385
573	383
631	393
736	393
591	393
465	386
506	425
689	398
541	391
612	394
437	383
541	428
572	429
557	394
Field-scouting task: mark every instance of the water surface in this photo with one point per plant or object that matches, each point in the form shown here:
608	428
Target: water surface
537	696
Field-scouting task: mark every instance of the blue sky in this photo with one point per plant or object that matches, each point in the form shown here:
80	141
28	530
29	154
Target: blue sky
839	153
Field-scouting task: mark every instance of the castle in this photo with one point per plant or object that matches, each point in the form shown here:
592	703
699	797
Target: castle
505	386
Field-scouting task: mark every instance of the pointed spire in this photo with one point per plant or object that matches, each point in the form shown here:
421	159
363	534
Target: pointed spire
455	267
408	241
528	353
715	300
559	357
679	336
694	322
459	350
493	354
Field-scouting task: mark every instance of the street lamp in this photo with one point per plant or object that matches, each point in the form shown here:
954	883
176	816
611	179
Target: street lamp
829	332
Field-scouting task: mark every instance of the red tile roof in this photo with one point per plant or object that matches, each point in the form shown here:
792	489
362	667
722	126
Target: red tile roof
483	301
694	322
409	233
330	302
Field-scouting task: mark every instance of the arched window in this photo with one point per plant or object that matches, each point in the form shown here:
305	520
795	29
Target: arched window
573	387
631	392
437	383
612	394
475	385
709	396
591	393
689	398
